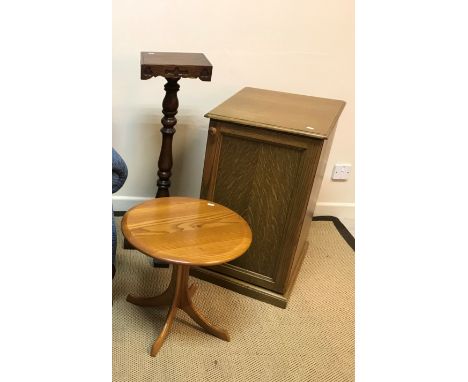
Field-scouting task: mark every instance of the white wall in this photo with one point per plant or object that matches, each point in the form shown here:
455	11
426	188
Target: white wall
304	47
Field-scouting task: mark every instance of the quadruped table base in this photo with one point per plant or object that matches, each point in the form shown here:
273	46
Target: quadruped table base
178	295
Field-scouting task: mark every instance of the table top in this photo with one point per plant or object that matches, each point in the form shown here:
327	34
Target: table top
287	112
175	64
186	231
174	58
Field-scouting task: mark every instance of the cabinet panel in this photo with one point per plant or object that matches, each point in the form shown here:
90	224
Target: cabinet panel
248	181
259	174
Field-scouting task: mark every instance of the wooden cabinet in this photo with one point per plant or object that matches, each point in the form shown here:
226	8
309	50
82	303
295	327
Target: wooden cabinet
265	158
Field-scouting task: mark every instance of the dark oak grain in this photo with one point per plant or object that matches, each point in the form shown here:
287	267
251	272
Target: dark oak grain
259	174
294	113
262	162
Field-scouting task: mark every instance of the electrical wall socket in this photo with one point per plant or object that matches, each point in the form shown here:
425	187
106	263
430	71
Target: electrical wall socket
341	171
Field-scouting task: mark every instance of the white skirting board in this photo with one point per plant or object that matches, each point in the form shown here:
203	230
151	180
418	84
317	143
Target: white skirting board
340	210
124	203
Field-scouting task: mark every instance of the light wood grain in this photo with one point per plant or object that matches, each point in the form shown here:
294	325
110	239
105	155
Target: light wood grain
188	231
184	231
179	296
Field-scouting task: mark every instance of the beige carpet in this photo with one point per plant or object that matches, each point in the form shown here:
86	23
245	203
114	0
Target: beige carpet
311	340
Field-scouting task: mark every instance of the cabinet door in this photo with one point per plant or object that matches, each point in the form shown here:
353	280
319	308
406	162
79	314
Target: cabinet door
266	177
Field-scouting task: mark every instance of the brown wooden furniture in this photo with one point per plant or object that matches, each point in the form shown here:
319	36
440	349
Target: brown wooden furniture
265	158
184	232
171	66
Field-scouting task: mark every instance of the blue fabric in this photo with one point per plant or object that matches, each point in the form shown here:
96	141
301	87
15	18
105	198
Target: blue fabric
119	175
119	171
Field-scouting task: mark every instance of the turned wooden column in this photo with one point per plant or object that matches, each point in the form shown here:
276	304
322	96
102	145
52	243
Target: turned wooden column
173	67
170	105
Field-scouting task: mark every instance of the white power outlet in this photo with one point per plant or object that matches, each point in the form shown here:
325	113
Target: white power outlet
341	171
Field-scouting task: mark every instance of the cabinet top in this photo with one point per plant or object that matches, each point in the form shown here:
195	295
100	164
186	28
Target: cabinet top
294	113
174	64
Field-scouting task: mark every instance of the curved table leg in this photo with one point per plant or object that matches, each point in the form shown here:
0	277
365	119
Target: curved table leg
191	290
186	305
172	312
203	322
165	331
163	299
181	296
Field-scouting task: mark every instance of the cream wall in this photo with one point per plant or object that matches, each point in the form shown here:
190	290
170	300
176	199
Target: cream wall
304	47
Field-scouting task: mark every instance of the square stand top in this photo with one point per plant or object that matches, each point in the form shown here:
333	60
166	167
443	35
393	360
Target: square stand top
287	112
173	65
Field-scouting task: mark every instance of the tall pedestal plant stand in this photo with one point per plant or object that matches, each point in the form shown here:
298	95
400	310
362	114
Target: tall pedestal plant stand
173	67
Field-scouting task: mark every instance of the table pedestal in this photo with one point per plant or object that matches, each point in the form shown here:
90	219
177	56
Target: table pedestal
177	295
